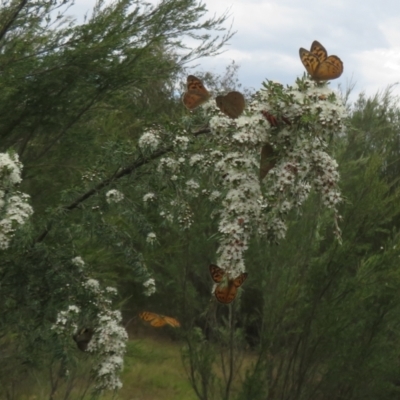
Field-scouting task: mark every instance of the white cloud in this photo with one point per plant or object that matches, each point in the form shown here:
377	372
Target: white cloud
363	33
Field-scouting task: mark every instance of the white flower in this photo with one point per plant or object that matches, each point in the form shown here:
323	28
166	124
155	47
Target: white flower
111	290
114	196
215	194
10	168
78	261
181	142
151	237
150	140
92	284
192	188
196	159
150	286
168	164
14	205
109	341
149	197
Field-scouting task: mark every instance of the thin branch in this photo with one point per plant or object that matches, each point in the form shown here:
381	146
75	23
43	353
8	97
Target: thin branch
125	171
13	18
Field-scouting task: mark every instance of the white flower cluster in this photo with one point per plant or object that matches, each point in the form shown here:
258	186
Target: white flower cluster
149	198
291	128
297	123
239	207
214	195
66	322
192	188
151	238
195	159
78	261
114	196
168	164
92	285
150	286
109	343
181	142
149	140
14	207
167	216
109	338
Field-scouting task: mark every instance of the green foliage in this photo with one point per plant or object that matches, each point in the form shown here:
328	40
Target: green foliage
74	100
329	311
317	319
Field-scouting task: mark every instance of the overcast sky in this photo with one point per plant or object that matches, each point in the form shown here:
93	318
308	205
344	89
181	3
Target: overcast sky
365	34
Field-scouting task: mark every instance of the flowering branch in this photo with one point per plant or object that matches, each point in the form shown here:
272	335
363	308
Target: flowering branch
106	182
311	114
14	207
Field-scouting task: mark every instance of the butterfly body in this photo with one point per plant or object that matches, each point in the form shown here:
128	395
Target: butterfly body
196	94
319	65
231	104
226	290
158	320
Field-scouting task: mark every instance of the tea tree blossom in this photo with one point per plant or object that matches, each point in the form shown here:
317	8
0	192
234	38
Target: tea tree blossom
297	122
114	196
14	205
109	343
149	197
151	238
150	140
150	287
109	338
78	261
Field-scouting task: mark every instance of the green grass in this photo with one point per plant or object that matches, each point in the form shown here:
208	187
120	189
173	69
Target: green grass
153	370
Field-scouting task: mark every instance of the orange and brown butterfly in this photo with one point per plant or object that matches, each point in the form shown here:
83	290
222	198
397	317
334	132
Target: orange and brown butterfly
225	292
196	94
231	104
158	320
319	65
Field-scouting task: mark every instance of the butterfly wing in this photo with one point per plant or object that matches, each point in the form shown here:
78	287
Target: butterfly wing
232	104
172	321
196	93
267	161
153	318
147	316
217	273
158	320
331	68
227	293
318	50
238	281
309	60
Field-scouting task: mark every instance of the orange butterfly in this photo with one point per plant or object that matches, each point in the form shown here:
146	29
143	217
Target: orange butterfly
196	93
232	104
319	65
159	320
225	292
